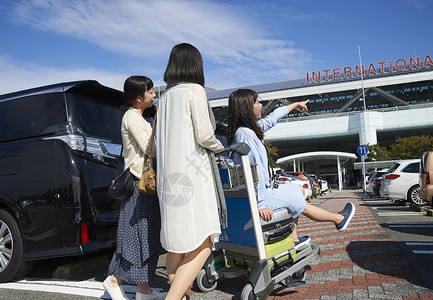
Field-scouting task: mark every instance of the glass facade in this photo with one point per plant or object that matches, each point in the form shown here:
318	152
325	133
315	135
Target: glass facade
344	102
397	95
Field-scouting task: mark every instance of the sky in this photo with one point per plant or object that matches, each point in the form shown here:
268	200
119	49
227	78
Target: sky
243	42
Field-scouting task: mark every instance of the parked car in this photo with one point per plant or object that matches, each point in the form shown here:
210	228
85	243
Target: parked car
375	183
298	174
285	178
426	177
402	182
367	181
314	186
55	172
304	176
323	184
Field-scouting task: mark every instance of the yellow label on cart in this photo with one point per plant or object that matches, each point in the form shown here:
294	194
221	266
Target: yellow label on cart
279	251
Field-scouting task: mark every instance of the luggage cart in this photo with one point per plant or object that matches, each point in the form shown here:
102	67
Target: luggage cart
251	246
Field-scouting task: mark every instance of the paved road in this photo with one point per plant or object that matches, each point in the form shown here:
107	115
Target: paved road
386	253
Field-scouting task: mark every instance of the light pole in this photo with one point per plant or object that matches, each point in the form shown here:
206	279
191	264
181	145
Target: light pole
159	88
362	77
365	109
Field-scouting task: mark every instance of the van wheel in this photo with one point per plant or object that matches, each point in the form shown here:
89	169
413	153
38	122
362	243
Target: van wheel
12	262
413	196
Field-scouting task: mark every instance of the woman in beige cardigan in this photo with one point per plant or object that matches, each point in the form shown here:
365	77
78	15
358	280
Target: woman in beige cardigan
137	244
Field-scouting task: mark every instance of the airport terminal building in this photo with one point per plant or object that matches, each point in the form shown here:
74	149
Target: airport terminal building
397	102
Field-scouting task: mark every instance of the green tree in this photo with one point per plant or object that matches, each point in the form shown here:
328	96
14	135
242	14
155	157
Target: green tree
403	148
377	152
411	147
272	152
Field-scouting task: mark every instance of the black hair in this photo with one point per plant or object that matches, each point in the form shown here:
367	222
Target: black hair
241	113
185	64
134	86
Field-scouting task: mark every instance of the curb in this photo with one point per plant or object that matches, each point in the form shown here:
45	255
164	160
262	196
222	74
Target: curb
428	210
86	266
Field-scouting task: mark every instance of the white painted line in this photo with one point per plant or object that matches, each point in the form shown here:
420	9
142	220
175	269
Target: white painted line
422	251
56	282
410	223
391	208
53	289
397	214
411	226
378	201
419	243
81	288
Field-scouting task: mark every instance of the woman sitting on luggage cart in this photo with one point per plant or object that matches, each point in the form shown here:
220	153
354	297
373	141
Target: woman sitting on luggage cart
246	125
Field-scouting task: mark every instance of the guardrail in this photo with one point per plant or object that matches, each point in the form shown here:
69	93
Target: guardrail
343	114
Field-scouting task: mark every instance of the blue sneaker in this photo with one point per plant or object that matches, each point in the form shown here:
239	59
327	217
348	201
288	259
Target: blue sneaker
302	243
347	212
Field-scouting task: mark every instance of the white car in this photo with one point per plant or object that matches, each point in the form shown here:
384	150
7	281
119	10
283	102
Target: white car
402	182
284	178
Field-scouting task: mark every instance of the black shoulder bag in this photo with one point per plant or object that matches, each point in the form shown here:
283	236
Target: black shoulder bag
122	186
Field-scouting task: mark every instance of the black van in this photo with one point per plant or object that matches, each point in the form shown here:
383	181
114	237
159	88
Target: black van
55	171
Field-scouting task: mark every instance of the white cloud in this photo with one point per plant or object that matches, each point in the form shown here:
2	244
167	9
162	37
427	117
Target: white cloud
15	76
418	4
232	43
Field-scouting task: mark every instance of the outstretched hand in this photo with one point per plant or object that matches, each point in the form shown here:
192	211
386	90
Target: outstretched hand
303	105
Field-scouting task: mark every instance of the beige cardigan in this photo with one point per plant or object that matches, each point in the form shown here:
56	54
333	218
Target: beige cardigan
136	133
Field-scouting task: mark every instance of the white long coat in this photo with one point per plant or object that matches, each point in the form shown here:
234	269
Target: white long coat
186	189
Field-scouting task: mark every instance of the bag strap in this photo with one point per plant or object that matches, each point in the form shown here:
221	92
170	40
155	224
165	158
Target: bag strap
152	137
272	176
271	173
119	158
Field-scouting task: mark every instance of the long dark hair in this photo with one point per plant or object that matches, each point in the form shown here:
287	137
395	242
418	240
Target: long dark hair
241	113
134	86
185	64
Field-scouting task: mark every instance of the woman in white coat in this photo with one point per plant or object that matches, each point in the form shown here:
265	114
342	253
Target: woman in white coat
186	186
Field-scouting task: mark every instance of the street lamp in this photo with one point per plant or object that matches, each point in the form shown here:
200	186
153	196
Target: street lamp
159	88
362	77
365	109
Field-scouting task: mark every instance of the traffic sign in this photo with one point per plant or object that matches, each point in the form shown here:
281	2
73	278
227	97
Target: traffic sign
362	150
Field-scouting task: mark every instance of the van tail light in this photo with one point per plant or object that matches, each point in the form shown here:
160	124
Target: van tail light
392	176
84	234
283	179
77	140
305	186
427	178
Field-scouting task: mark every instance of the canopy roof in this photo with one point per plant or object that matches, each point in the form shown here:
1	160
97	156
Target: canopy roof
308	156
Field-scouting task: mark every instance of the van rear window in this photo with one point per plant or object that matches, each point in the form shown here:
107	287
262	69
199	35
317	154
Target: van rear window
97	119
29	116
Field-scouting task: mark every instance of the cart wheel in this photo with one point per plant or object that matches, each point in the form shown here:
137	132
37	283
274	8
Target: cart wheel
247	293
300	274
203	282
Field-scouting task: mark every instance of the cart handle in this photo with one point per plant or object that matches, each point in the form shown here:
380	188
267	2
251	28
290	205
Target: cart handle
240	148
